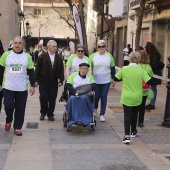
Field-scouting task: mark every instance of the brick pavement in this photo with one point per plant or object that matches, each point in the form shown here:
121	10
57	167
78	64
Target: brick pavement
51	147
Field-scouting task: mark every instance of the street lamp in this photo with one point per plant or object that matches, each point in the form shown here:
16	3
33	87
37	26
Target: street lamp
21	18
68	41
27	28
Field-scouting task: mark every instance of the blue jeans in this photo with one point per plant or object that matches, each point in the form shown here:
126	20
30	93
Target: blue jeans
154	88
101	92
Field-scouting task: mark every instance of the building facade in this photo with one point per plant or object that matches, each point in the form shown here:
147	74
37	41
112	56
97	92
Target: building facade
9	20
49	20
155	26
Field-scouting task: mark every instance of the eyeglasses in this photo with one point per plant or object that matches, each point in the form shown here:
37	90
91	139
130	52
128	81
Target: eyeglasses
101	46
80	51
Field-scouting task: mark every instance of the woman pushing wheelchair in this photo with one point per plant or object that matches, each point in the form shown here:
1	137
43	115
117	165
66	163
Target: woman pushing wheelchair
80	107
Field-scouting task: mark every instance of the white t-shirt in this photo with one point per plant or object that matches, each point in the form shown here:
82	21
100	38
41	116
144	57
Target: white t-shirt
15	74
52	56
102	68
66	54
126	51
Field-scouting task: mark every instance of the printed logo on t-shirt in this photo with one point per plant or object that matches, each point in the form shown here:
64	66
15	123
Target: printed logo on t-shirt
16	68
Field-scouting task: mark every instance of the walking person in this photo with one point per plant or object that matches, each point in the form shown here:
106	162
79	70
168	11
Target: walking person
1	92
131	97
156	66
67	54
15	65
144	64
103	68
74	60
38	52
49	69
126	52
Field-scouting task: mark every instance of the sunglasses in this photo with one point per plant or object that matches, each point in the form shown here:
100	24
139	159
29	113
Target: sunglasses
80	51
101	46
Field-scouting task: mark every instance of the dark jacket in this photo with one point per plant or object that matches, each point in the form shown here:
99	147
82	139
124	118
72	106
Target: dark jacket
156	67
46	72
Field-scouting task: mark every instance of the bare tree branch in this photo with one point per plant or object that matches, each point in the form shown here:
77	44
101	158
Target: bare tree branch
66	20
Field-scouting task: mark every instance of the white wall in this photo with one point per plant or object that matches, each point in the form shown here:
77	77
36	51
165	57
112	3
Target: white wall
116	7
9	21
52	25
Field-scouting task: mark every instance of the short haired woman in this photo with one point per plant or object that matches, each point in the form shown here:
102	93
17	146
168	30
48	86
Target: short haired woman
74	60
132	93
103	68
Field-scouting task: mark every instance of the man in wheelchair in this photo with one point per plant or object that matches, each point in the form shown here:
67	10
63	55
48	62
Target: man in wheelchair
79	108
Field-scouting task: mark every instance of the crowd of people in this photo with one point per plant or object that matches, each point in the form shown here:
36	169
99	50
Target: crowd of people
97	71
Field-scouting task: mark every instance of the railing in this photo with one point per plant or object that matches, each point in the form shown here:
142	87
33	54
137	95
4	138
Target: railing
134	3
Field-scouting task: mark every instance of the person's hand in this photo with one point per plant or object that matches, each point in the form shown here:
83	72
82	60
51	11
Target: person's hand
36	84
113	83
32	90
60	84
76	94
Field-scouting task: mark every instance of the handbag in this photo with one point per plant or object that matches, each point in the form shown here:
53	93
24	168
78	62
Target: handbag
161	65
84	89
145	86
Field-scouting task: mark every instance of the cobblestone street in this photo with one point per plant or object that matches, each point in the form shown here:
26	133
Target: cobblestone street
52	147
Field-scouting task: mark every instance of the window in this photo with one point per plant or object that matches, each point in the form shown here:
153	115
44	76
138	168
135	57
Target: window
39	12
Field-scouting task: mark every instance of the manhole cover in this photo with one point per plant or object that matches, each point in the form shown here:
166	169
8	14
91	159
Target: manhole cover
123	167
32	125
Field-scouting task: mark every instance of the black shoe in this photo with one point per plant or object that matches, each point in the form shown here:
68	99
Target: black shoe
140	125
134	134
126	139
150	107
51	118
42	117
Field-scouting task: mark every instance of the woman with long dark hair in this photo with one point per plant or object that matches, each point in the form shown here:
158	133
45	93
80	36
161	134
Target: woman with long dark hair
1	93
156	66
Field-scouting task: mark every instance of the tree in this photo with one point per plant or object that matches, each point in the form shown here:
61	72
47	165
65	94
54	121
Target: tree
140	13
81	12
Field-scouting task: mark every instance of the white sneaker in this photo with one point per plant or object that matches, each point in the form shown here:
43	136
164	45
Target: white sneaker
102	119
95	112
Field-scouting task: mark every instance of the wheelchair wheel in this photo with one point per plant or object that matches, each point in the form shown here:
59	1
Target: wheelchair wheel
64	120
93	128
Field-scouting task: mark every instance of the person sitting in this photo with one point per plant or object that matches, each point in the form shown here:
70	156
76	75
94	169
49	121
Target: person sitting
79	107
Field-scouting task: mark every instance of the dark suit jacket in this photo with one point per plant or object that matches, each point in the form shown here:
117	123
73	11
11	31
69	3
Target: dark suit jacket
46	72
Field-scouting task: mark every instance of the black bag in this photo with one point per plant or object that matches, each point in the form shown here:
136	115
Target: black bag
84	89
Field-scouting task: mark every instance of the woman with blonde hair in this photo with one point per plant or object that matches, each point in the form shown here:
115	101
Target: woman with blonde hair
132	93
144	64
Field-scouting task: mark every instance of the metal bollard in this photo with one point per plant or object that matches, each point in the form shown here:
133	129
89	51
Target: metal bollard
166	119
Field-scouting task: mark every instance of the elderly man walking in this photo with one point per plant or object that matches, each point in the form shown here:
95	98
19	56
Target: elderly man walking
15	65
49	69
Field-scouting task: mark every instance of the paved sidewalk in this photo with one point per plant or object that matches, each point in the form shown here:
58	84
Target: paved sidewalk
51	147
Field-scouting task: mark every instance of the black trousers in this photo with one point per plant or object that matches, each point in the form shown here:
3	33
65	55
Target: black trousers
1	97
48	94
130	118
142	110
15	103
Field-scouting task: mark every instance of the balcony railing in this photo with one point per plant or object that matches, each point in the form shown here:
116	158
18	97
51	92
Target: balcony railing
133	3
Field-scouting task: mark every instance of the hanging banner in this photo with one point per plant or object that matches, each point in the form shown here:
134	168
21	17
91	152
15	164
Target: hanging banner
78	23
72	46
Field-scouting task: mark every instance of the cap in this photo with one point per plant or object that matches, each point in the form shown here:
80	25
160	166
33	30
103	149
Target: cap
84	64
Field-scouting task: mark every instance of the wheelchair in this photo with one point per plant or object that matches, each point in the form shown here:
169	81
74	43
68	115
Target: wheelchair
65	97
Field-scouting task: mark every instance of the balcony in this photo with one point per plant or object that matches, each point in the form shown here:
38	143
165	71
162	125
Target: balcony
160	4
134	4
